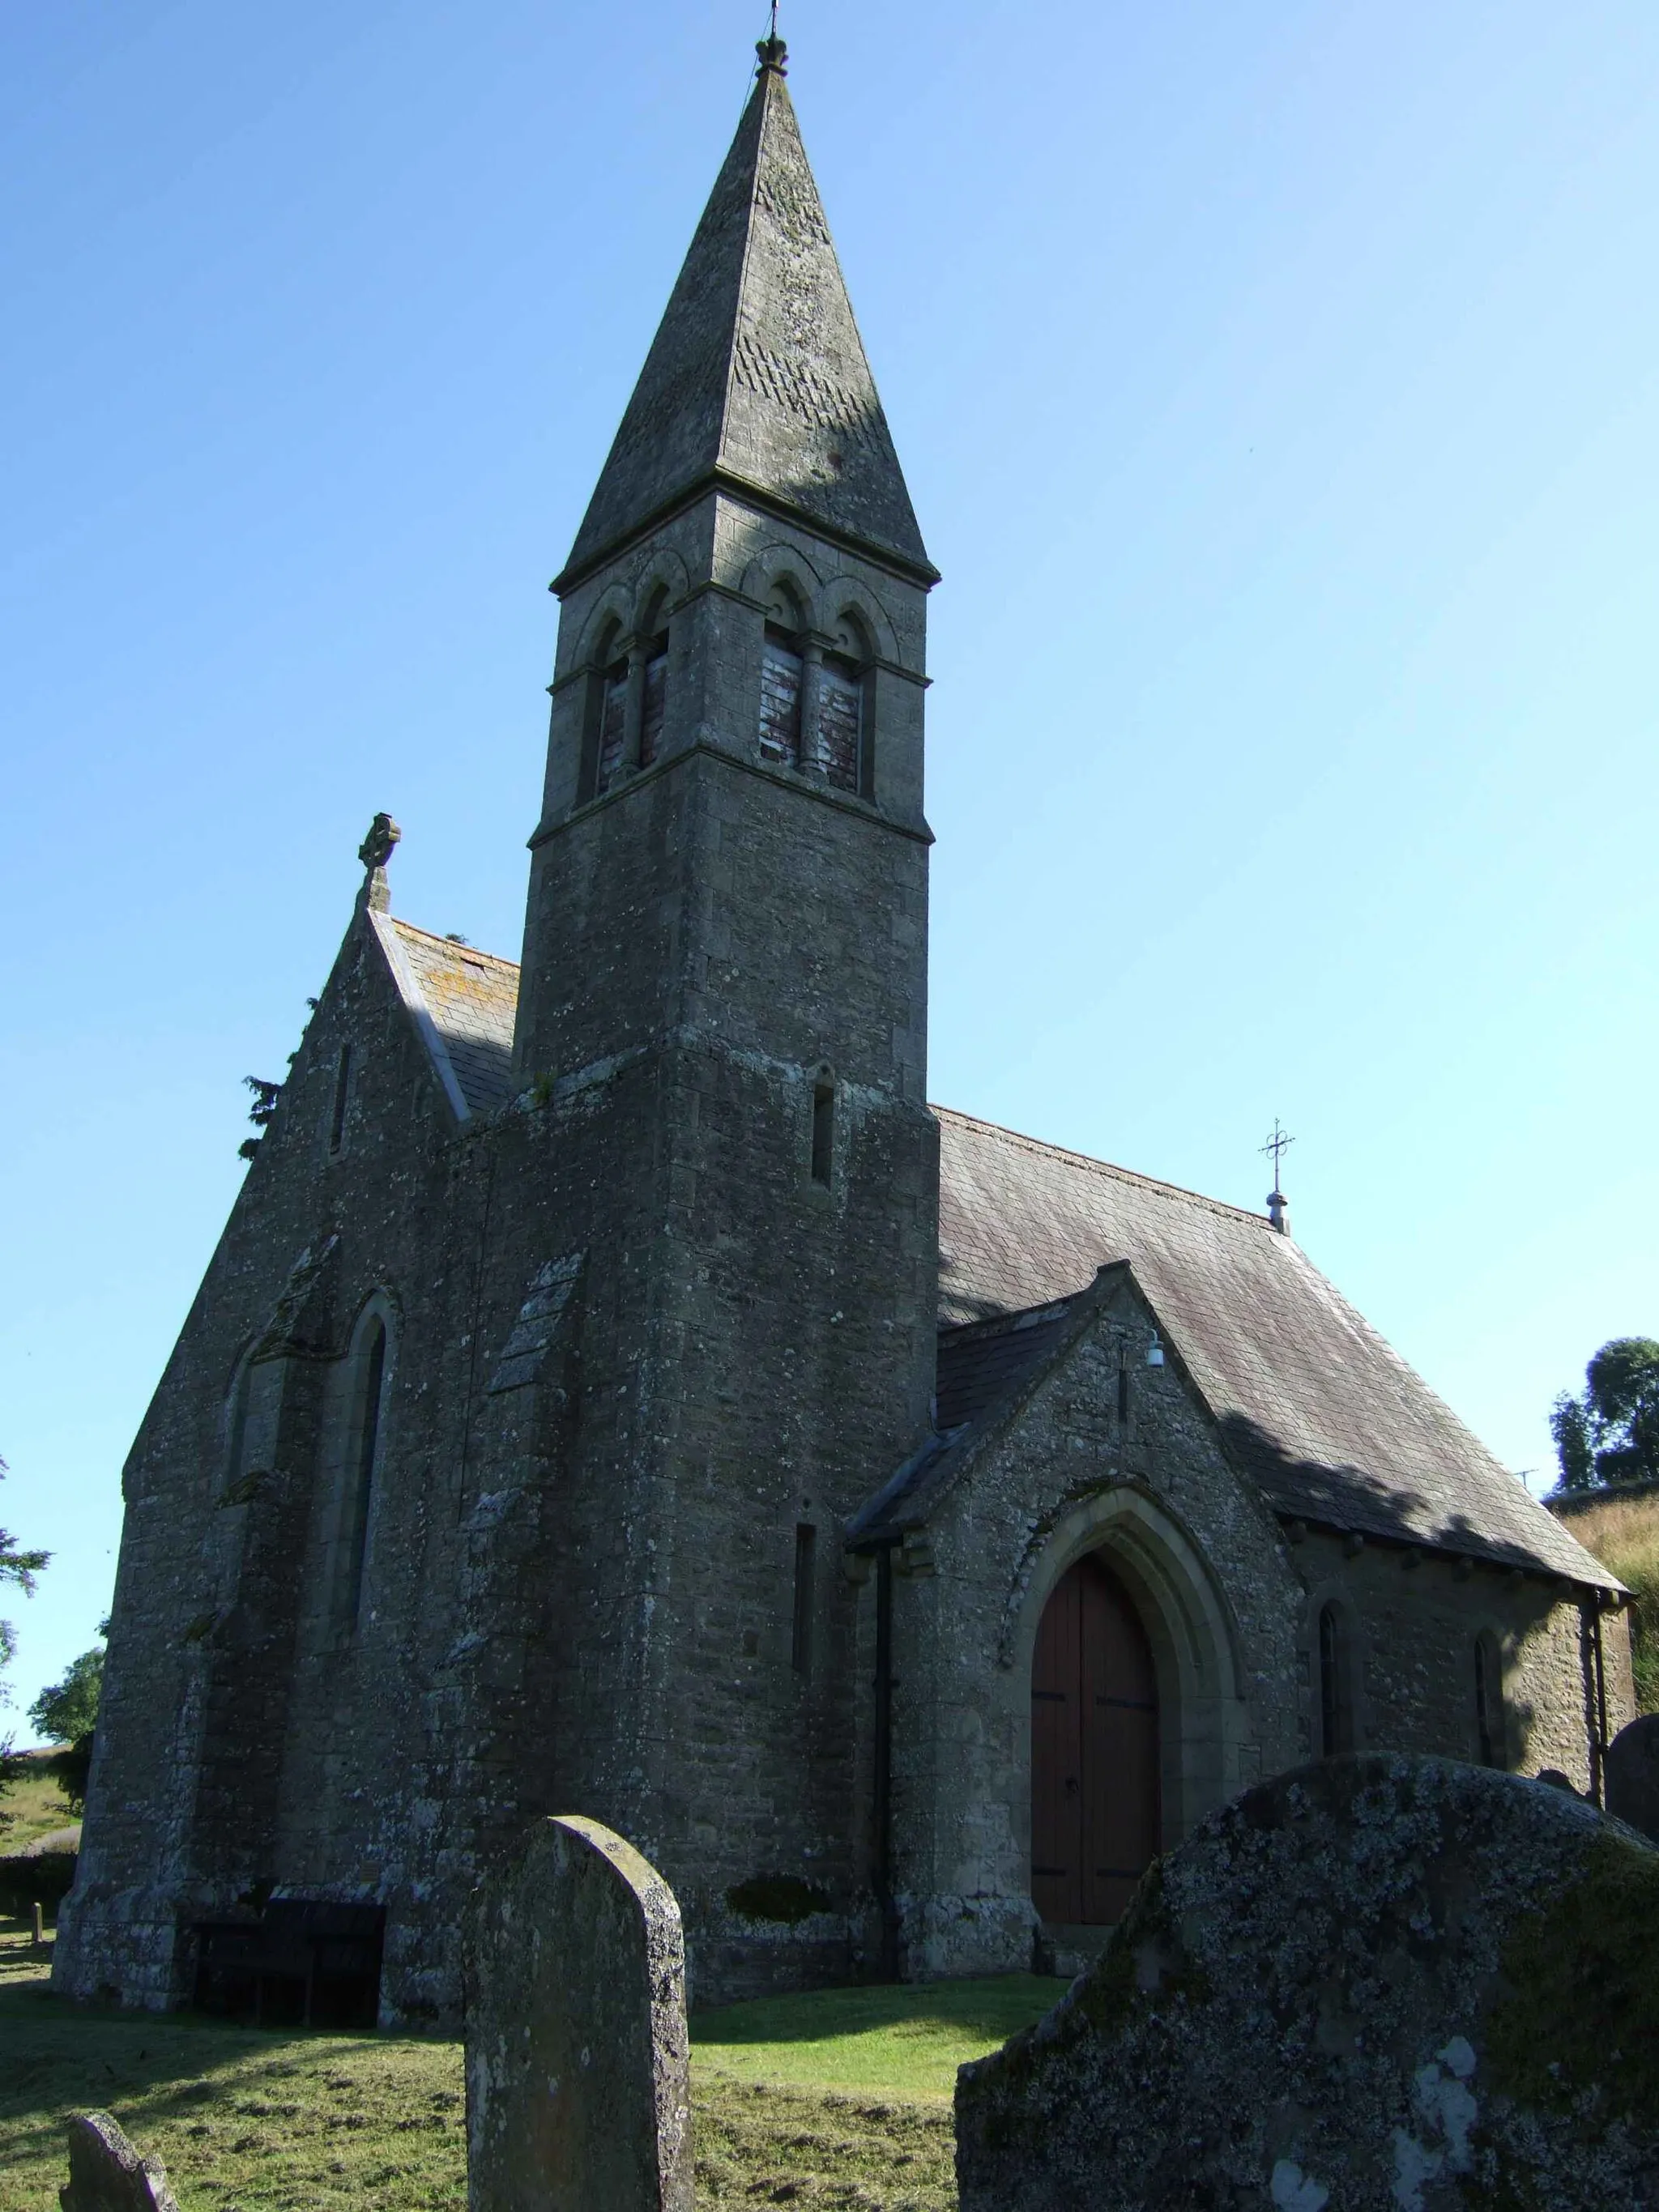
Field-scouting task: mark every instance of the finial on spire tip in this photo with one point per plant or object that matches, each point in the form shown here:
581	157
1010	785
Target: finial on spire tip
774	54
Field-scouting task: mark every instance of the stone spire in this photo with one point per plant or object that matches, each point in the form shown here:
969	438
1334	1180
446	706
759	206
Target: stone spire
757	378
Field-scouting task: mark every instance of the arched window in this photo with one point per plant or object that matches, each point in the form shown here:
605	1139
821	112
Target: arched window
782	671
367	1405
609	682
1336	1732
337	1118
839	749
1490	1733
236	1423
653	697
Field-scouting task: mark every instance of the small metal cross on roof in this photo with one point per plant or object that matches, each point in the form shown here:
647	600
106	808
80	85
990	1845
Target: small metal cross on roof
1279	1143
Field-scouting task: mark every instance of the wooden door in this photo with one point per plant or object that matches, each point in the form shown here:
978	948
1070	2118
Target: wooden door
1094	1750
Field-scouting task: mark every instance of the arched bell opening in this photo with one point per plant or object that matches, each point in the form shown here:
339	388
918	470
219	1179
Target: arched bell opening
1096	1749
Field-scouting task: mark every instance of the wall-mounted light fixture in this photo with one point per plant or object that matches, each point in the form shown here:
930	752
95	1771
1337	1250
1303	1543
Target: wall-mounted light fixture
1155	1351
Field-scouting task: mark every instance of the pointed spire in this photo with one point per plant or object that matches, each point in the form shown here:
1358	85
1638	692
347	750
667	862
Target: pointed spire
758	375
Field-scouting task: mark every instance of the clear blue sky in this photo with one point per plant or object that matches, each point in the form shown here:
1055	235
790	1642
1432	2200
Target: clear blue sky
1277	390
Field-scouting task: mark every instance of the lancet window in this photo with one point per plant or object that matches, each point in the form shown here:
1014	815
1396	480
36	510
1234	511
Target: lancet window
1489	1701
824	1127
366	1414
653	697
1336	1732
612	683
840	719
783	671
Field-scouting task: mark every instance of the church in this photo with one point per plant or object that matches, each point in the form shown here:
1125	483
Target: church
617	1390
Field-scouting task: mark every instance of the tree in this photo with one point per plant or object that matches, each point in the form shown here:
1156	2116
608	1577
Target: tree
1611	1433
18	1566
68	1713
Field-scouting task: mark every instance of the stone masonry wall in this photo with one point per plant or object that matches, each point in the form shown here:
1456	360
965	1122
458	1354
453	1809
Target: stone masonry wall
1211	1577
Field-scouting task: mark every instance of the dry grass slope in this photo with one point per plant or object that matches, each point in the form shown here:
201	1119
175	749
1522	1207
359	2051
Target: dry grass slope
1624	1535
34	1808
247	2121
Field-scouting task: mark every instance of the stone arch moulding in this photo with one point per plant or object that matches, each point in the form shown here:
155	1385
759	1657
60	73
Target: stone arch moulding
783	564
664	569
1201	1710
841	595
615	604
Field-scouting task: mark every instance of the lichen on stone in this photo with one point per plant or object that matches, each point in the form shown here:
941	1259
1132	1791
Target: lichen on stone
1577	2019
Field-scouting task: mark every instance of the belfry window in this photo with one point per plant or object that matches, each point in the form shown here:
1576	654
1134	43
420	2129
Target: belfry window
780	688
839	750
653	703
613	724
1335	1685
653	686
783	673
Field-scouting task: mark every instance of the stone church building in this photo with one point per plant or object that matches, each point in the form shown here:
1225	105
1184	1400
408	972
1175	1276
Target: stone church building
617	1390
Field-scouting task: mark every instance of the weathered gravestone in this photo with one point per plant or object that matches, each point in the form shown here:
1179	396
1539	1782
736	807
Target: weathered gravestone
1379	1984
578	2095
107	2173
1629	1775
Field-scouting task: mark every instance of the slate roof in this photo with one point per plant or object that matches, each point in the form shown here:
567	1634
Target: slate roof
1311	1403
980	1367
463	1002
757	372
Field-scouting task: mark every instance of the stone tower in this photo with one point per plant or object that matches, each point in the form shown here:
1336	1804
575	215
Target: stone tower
726	954
561	1424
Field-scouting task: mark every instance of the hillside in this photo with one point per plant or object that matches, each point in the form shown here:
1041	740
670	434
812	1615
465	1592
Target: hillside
1623	1532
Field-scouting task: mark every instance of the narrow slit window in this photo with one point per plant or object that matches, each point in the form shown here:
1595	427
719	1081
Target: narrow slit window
824	1132
1335	1708
806	1543
1123	1387
1489	1701
336	1120
780	708
613	723
654	700
841	721
238	1441
372	1357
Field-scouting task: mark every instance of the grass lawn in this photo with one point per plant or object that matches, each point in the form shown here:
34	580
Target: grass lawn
841	2099
37	1808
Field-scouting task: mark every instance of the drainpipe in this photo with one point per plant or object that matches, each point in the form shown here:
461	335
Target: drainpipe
882	1794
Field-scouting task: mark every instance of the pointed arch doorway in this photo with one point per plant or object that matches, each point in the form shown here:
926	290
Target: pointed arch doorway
1094	1749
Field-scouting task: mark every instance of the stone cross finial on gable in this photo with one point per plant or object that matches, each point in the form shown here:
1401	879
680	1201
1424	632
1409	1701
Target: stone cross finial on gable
374	852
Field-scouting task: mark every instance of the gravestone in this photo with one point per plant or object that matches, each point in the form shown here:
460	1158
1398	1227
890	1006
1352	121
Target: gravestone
107	2173
1377	1984
578	2095
1629	1775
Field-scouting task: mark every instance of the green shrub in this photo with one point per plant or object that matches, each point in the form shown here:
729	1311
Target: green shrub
35	1878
